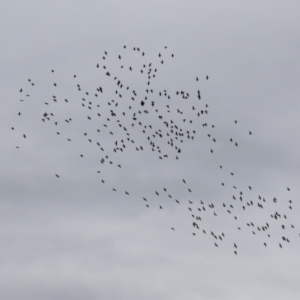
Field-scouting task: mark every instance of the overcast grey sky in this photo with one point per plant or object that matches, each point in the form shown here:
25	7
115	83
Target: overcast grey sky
73	237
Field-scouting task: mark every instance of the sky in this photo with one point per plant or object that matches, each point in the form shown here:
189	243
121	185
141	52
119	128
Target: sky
73	236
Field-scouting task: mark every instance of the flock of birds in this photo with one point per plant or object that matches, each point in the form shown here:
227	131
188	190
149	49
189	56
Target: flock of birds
163	126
